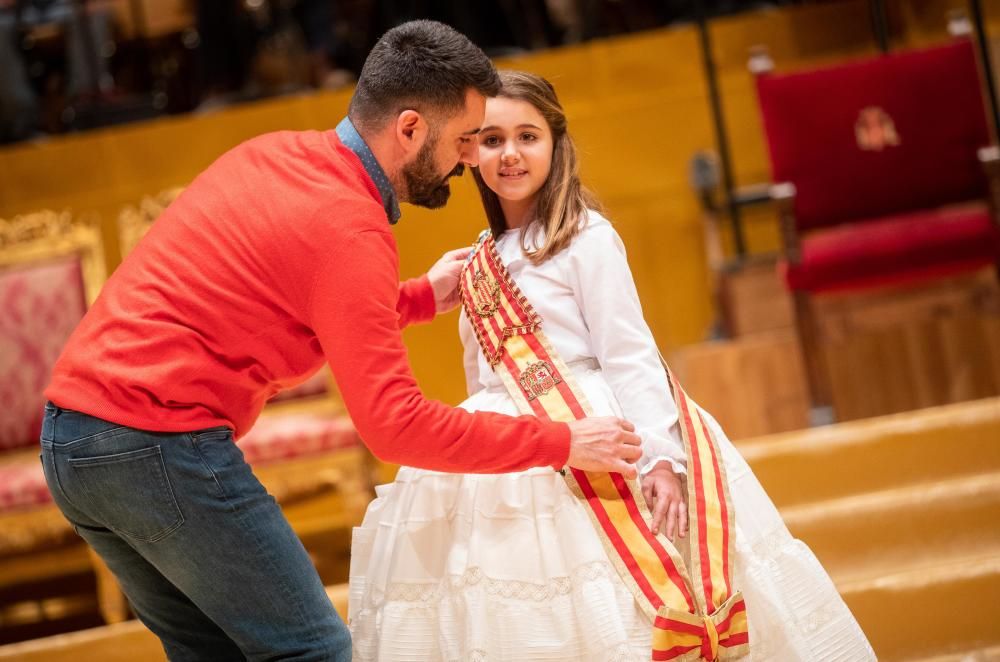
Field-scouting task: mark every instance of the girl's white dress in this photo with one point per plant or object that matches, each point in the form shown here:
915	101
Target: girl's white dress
464	567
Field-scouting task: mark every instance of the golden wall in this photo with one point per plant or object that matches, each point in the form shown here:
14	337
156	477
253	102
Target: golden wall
638	108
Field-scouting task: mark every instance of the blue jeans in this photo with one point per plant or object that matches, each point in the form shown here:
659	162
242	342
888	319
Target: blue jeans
201	550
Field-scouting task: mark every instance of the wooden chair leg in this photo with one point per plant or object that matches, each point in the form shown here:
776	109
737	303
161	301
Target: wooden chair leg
821	411
110	599
989	158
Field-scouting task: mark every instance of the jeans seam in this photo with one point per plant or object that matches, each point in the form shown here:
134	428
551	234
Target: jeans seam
114	458
165	483
55	479
193	438
252	531
92	438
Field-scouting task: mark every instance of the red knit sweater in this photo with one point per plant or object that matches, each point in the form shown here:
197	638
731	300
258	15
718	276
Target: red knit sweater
276	258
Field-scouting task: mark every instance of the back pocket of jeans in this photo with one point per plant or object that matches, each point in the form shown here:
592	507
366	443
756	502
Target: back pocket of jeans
129	493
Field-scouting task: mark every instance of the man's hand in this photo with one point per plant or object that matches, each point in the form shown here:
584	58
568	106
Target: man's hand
444	278
604	444
664	494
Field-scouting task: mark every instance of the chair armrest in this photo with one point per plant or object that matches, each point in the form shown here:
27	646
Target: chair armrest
752	194
760	61
989	156
783	195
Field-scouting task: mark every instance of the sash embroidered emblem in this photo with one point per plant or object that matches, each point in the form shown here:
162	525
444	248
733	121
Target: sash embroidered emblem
485	294
538	379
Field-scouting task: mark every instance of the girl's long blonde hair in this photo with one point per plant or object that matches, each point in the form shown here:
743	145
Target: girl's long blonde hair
562	200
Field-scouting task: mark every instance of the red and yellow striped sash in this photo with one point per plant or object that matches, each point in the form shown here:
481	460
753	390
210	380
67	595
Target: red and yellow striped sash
696	613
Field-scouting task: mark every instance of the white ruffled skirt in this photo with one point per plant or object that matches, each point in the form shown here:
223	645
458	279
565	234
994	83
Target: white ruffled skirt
464	567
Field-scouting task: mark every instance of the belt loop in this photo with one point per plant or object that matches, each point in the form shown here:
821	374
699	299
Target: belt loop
51	413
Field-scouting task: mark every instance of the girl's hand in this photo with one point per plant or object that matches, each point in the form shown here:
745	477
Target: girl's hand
664	494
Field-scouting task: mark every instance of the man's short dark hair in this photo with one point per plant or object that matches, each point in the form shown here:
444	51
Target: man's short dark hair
423	65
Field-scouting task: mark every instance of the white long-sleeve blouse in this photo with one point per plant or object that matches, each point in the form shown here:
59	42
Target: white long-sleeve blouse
590	310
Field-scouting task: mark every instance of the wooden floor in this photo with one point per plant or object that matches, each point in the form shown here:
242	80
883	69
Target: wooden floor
902	511
122	642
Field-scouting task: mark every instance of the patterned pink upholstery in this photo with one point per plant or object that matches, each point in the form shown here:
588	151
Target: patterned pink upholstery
273	438
22	485
40	305
315	385
289	436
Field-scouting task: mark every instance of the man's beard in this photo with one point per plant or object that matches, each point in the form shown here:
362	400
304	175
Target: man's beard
424	187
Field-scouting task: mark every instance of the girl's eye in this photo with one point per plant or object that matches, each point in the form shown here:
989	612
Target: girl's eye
491	141
528	137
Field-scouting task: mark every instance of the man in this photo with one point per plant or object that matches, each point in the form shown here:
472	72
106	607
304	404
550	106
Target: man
278	257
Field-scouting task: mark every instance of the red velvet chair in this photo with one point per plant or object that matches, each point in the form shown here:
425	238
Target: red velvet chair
884	173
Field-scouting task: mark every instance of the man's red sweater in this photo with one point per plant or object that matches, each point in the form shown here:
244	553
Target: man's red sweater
279	256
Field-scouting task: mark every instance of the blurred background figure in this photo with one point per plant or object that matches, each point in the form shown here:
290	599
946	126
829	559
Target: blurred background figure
70	65
51	51
250	48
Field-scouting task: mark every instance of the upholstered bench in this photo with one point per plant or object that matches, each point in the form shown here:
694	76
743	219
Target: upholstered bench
274	439
304	448
314	464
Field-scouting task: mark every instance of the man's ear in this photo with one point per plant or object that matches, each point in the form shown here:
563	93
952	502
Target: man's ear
411	130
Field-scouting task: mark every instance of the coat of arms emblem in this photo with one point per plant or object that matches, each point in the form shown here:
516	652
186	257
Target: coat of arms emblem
538	379
485	294
875	130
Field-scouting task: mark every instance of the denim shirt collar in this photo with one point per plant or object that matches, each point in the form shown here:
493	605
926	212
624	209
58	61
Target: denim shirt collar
354	142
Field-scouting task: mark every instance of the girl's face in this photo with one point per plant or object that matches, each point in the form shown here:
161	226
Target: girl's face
515	149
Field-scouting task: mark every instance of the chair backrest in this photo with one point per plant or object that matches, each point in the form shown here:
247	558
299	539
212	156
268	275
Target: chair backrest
134	221
318	385
878	136
133	224
51	269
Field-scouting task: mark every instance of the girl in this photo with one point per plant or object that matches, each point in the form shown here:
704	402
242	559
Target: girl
512	567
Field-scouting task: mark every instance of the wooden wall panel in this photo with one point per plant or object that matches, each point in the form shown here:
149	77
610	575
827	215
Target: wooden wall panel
638	107
753	386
